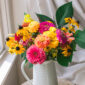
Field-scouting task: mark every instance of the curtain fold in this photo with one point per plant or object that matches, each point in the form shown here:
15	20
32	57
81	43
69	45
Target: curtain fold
45	7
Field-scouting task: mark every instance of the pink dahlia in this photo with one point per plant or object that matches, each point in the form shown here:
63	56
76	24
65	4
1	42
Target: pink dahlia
61	36
44	26
42	41
35	55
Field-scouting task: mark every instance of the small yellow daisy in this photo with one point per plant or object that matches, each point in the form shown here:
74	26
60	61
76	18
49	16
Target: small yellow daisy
19	49
66	51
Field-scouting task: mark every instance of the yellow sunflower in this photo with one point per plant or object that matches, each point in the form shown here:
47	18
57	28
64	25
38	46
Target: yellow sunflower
9	40
71	21
67	51
11	50
68	20
71	28
19	49
24	33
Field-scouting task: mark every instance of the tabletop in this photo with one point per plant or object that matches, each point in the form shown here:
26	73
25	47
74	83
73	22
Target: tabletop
60	82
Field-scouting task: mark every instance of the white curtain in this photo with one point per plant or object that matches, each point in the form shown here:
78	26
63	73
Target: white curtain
76	71
45	7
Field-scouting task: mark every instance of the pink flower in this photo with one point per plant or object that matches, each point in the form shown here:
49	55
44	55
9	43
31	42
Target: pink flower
61	36
35	55
70	37
44	26
24	43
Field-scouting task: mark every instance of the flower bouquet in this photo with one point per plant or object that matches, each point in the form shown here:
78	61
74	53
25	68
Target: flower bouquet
41	43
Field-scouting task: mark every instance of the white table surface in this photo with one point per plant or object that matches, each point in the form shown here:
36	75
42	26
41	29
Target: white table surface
60	81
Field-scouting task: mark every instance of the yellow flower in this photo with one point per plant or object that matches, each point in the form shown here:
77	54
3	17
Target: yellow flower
54	43
52	29
13	44
71	21
50	34
24	33
33	26
71	28
27	18
68	20
19	49
47	49
54	55
11	50
25	38
9	40
66	51
53	39
64	29
50	21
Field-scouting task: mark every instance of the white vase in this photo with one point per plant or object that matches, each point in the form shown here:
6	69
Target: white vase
45	74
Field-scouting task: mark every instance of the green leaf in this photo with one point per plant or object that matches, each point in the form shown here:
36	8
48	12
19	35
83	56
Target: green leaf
23	55
25	13
30	65
73	46
80	38
64	61
43	18
64	11
26	61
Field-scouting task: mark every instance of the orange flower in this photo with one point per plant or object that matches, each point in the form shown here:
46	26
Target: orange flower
42	41
70	37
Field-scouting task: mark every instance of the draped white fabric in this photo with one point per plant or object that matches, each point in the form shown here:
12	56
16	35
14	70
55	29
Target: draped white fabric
76	71
40	6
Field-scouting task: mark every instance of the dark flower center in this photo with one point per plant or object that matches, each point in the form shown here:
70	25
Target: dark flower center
66	27
78	22
73	26
17	48
69	50
7	39
20	27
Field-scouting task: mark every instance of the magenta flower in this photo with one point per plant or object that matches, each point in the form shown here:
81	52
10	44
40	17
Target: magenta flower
44	26
61	37
35	55
17	37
